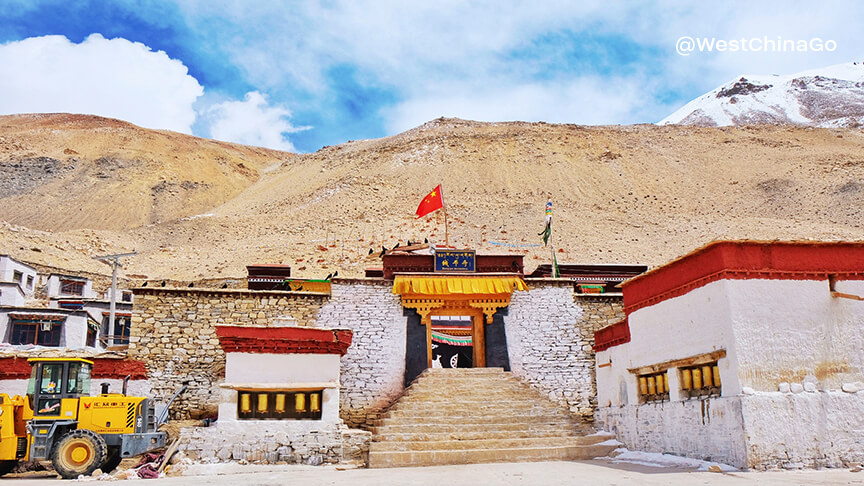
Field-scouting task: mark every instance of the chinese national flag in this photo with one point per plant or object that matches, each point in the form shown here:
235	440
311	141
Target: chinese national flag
433	201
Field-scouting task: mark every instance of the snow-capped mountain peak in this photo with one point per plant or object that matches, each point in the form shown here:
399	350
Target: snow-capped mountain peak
827	97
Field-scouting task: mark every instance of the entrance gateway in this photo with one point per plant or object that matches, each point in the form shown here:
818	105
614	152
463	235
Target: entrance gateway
449	315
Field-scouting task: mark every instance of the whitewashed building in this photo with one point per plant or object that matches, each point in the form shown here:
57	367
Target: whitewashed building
59	310
748	353
17	281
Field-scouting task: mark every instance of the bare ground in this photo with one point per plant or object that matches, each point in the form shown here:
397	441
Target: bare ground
634	194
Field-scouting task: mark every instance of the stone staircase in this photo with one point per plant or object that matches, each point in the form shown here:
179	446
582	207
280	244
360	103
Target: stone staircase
474	415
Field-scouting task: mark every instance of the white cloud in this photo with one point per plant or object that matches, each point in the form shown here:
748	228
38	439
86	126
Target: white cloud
108	77
253	121
413	49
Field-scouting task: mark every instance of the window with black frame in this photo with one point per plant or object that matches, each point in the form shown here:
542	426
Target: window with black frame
122	326
279	405
71	287
35	331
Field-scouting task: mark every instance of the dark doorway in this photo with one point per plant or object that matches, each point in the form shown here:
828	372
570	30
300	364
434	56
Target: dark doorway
496	342
415	346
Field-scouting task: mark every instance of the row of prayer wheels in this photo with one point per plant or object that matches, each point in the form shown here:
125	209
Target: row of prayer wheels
279	402
691	379
654	384
700	377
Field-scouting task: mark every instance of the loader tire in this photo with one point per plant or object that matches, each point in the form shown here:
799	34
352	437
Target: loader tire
78	452
7	467
112	460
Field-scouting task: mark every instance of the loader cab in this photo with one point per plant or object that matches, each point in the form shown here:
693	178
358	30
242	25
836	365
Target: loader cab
53	380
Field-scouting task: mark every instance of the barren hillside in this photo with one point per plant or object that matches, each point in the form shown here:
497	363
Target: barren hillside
65	172
631	194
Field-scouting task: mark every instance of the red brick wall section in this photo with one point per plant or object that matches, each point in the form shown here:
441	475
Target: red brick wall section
103	368
738	260
283	340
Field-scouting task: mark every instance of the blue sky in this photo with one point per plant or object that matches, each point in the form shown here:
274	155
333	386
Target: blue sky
301	75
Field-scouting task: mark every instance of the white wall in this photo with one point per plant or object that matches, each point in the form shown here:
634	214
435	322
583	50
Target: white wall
53	289
693	324
793	430
8	266
773	331
11	294
549	345
281	368
74	334
794	331
709	429
13	387
4	326
373	369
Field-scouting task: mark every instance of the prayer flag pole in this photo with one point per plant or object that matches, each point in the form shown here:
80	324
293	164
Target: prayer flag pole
546	234
446	229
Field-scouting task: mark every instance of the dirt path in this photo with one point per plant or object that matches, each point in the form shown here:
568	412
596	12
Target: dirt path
529	474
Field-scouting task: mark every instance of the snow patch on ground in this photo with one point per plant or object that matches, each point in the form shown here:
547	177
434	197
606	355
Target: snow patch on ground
656	459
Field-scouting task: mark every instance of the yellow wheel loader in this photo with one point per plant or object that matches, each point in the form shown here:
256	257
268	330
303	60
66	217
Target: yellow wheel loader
57	420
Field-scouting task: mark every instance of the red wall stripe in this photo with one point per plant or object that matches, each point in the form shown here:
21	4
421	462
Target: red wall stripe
283	340
612	335
743	260
103	368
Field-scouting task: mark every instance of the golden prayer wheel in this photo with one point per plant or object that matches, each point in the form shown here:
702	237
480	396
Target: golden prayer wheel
707	376
665	382
245	407
652	389
716	373
262	402
686	380
315	402
643	385
697	378
300	402
280	403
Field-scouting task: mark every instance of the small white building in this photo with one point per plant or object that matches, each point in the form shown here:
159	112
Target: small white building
17	281
38	326
74	317
747	353
280	397
70	286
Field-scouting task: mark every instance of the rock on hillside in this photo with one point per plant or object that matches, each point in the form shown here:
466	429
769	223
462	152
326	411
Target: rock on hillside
826	97
64	172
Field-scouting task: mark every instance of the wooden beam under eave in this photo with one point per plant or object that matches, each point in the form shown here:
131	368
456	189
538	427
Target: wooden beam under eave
680	363
841	295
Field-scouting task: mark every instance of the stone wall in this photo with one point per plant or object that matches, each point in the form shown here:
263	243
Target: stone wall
549	334
173	332
550	337
374	366
265	442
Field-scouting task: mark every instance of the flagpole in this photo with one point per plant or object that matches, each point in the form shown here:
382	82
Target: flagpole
446	229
